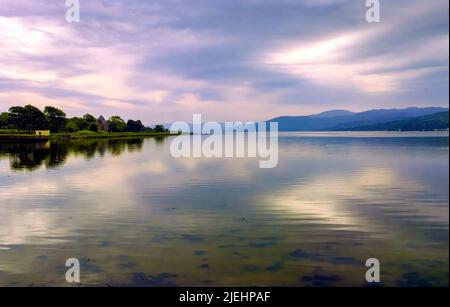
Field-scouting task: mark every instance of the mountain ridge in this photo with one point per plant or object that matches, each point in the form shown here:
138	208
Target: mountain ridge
350	121
435	121
332	113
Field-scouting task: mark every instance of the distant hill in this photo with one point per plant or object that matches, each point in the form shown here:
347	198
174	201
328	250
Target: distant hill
332	113
437	121
346	120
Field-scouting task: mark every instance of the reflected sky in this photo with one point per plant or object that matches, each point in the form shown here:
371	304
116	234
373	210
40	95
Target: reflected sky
134	215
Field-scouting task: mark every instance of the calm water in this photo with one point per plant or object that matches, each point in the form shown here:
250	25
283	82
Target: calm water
133	215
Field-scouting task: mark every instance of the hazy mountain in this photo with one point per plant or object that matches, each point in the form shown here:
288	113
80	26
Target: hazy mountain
332	113
349	121
437	121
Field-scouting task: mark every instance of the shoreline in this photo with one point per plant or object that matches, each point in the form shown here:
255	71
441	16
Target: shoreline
78	136
21	137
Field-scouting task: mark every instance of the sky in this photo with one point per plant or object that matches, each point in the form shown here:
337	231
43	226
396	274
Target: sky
161	61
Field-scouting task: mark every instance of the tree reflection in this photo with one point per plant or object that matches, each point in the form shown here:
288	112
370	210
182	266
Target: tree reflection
53	154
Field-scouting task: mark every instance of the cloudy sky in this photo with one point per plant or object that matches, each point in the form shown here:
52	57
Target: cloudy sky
163	60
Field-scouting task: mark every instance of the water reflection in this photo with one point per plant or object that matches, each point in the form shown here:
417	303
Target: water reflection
53	154
135	216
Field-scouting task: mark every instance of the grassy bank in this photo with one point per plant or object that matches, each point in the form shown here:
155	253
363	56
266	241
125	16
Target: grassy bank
100	135
20	136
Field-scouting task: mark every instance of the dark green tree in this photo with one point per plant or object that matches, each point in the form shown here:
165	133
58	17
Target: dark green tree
17	117
89	118
36	118
116	124
72	125
4	120
134	125
80	123
91	123
27	118
93	127
56	118
160	128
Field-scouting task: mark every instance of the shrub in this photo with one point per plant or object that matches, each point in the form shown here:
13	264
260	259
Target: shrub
71	127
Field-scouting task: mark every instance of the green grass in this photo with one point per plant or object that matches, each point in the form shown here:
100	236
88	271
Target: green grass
90	134
16	135
23	135
14	132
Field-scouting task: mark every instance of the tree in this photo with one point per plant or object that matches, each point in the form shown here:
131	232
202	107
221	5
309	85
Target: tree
4	120
27	118
17	117
79	122
93	127
56	118
134	125
116	124
71	125
91	123
36	118
146	129
160	128
89	118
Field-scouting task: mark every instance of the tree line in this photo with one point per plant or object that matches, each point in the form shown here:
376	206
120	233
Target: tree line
31	118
